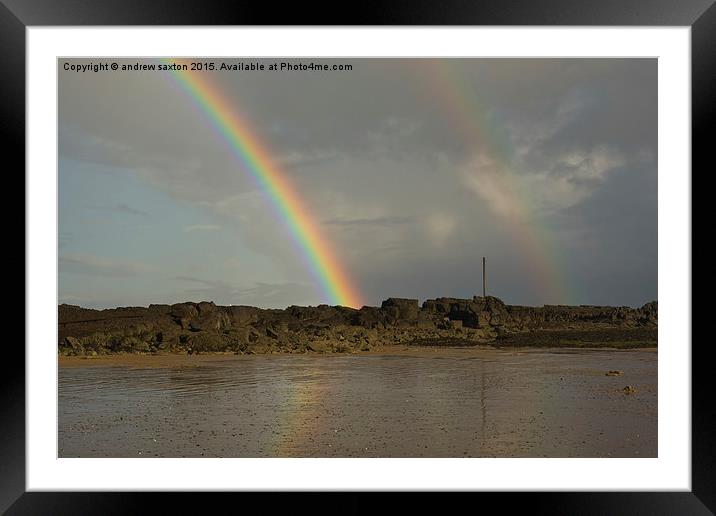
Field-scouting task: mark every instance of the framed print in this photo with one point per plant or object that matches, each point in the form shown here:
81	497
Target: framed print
423	252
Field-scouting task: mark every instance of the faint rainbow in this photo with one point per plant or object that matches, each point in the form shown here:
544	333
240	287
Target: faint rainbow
299	419
469	119
256	158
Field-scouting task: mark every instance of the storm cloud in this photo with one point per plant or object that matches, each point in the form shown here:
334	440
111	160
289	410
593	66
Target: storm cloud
413	168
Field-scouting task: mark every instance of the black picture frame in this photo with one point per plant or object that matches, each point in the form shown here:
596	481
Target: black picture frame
17	15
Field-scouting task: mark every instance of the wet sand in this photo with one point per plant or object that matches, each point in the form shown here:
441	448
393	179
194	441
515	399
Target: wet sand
399	402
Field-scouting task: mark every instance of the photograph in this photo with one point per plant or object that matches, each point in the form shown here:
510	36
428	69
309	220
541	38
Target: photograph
409	248
360	257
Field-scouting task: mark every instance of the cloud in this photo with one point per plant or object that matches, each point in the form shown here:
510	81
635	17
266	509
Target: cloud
381	162
296	159
64	238
268	295
440	227
208	283
571	177
122	208
233	263
101	266
491	183
201	227
374	221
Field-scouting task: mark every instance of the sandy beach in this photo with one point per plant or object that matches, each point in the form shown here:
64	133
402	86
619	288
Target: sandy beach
397	402
164	360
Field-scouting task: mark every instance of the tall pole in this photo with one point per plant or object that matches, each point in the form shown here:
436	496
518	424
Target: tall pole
484	283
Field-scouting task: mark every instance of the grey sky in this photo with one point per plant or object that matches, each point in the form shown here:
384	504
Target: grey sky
415	169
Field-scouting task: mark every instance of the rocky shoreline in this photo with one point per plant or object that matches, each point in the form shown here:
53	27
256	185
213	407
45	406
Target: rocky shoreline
191	328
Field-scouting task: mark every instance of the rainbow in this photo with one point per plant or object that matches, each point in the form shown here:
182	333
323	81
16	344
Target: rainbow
297	419
544	266
254	155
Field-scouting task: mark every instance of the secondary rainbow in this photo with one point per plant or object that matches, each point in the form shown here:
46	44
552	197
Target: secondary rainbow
464	112
335	284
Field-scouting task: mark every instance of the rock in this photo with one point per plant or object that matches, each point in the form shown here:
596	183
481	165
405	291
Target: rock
613	373
206	342
184	311
369	317
206	326
206	307
649	313
629	389
132	344
162	309
242	315
405	309
74	346
319	346
253	335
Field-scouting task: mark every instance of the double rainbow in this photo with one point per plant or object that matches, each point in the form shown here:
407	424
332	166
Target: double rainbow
336	286
468	118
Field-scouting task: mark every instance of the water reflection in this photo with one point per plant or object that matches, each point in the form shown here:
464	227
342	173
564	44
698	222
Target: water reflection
465	404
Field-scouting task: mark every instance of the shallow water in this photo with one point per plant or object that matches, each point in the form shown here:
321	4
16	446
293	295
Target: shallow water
461	403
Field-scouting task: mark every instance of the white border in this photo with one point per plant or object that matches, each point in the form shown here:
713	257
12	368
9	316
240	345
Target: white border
670	471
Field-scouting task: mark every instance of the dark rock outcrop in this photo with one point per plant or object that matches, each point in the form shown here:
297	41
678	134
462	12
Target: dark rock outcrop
206	327
401	309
